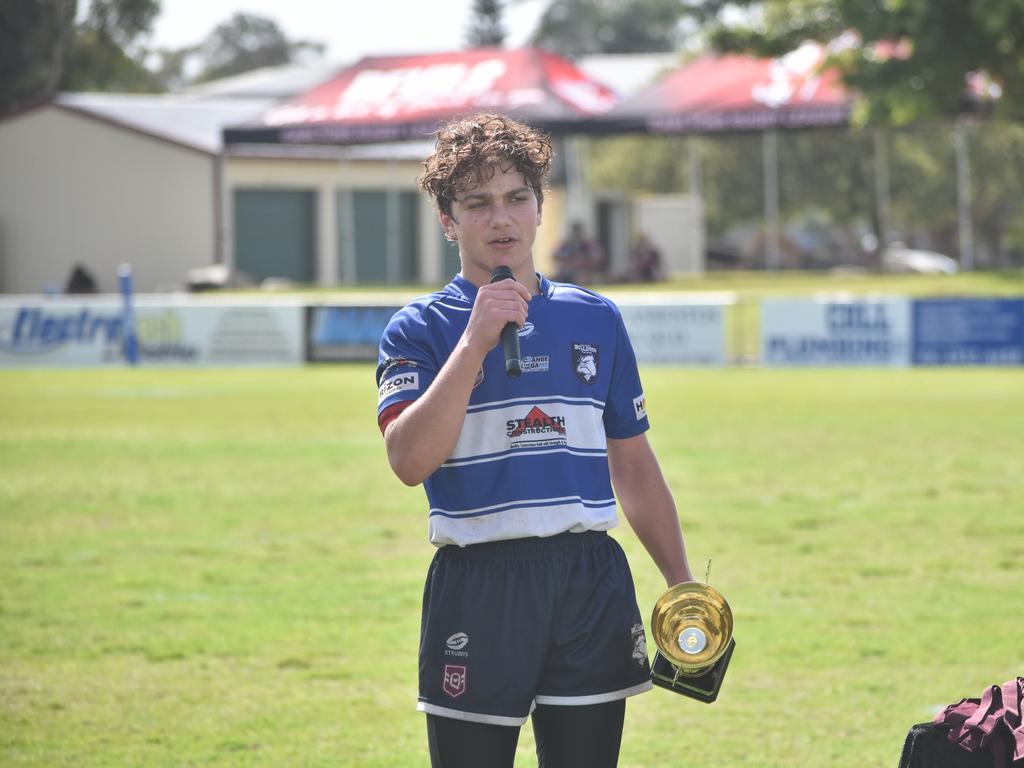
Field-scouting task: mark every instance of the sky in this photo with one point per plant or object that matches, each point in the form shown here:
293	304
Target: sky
349	28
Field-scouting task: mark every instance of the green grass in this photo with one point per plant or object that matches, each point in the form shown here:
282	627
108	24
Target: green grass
216	568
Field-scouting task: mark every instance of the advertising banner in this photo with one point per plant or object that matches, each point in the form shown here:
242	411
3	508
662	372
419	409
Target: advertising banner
835	332
58	332
968	332
339	333
676	334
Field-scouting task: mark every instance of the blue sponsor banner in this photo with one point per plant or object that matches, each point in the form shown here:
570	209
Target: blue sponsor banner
968	332
347	332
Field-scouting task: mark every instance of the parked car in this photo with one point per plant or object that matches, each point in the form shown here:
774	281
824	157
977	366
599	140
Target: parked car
899	258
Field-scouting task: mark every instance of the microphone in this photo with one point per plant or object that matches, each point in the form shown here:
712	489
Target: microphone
510	333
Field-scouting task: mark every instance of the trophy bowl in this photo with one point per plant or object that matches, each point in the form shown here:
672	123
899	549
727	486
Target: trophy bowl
692	627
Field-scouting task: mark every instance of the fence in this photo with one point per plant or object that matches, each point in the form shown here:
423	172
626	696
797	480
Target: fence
712	330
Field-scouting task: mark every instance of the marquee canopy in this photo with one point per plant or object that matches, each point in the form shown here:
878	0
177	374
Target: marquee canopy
717	93
392	98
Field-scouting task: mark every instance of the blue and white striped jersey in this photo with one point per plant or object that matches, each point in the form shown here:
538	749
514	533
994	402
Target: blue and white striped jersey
531	459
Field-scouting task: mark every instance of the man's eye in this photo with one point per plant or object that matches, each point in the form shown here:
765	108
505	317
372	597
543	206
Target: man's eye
476	205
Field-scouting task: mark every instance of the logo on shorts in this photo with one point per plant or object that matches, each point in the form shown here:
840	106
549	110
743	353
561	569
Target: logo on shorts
584	362
639	644
454	680
456	643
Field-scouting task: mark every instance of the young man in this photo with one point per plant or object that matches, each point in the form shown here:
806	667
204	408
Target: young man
529	605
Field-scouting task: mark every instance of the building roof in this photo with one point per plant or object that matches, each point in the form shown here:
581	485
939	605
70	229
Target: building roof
195	117
628	73
196	124
280	82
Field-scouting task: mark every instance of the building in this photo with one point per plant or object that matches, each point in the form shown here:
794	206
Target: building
103	179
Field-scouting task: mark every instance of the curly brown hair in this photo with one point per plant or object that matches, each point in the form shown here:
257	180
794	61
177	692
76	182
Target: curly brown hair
469	151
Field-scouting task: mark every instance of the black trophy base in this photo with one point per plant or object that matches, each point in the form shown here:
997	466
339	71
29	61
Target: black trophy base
703	687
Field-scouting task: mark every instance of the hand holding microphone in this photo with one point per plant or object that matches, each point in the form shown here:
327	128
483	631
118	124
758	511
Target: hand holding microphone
510	333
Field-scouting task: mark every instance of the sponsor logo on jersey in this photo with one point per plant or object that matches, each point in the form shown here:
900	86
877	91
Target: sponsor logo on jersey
640	406
456	645
536	429
399	383
526	330
639	644
534	363
454	681
584	362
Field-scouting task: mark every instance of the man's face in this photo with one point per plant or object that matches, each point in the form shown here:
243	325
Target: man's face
495	223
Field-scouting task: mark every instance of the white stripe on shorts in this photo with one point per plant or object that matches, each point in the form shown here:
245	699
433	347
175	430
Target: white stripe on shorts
597	698
473	717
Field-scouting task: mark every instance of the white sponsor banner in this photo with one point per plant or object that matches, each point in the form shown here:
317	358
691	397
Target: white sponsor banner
676	333
65	331
836	331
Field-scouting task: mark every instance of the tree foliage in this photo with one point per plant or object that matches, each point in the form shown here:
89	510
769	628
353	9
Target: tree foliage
580	27
106	52
246	42
910	59
34	36
486	25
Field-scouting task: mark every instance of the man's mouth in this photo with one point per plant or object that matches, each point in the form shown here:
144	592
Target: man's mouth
503	240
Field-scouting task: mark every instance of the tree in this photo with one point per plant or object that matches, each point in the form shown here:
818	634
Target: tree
43	49
245	42
34	36
910	59
486	27
580	27
107	52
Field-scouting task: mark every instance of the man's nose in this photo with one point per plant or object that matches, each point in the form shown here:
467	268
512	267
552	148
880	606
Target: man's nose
500	214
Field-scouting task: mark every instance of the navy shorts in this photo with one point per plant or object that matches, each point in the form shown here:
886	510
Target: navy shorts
511	624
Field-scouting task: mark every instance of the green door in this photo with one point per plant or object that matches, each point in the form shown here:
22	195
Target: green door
376	233
275	234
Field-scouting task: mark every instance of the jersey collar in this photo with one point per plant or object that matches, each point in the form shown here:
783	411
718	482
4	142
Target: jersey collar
460	286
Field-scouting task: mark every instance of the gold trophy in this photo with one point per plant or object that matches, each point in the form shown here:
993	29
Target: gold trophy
692	627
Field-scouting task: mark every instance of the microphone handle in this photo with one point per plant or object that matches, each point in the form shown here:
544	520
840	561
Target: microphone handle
510	345
510	333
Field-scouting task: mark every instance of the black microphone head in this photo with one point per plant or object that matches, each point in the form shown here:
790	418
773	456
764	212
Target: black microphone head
501	272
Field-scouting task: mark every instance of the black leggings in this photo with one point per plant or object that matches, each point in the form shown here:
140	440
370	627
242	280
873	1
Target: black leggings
567	737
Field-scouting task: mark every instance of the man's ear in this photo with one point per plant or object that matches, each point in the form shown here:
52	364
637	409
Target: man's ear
448	225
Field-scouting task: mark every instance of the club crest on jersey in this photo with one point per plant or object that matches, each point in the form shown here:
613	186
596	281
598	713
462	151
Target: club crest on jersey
584	362
454	682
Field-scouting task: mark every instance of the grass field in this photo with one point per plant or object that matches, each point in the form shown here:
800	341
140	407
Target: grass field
216	568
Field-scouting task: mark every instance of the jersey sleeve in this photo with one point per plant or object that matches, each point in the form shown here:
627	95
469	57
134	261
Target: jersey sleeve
625	412
406	365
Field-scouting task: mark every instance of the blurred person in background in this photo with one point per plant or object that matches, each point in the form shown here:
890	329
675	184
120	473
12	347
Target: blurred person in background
645	261
529	607
578	259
